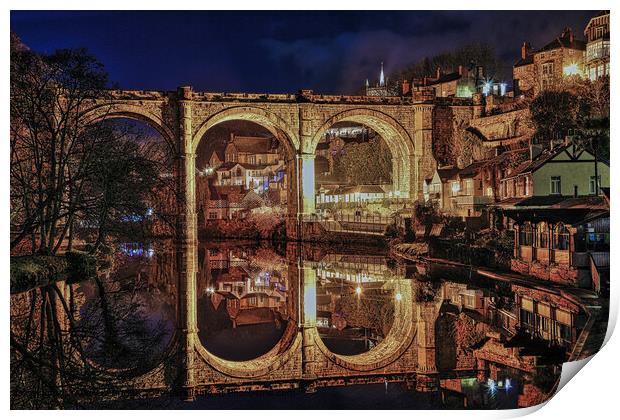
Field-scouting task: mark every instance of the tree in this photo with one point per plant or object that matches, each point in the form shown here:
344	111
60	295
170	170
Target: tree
66	171
366	163
374	310
555	112
470	55
579	105
49	153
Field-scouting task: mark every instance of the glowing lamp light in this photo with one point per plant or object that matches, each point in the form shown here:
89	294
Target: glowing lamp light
508	384
491	385
455	187
358	290
398	297
502	89
571	70
486	87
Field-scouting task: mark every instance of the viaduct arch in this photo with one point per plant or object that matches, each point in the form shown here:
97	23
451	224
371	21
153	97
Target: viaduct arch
299	121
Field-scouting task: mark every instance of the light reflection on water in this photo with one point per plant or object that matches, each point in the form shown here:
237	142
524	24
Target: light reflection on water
248	297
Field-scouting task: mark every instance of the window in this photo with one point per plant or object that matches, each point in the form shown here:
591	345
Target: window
561	237
212	215
542	234
599	32
556	185
547	69
593	189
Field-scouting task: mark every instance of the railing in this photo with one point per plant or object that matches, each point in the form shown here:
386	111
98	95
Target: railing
374	224
464	200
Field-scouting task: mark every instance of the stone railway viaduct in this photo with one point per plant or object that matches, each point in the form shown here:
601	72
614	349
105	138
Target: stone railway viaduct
298	121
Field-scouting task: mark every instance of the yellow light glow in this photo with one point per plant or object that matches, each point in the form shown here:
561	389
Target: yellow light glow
399	297
571	70
358	290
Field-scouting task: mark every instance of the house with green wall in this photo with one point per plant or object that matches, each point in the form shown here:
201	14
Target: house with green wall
567	170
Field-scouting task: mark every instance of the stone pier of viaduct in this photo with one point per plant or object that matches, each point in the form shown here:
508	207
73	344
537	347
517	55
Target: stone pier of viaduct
300	360
298	121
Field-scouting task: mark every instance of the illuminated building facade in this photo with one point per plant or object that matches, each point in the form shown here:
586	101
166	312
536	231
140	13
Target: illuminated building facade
597	48
546	67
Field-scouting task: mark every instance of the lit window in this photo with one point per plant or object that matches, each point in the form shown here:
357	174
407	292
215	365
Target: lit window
556	185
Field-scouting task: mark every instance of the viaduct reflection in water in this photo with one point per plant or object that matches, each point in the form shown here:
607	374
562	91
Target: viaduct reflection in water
297	318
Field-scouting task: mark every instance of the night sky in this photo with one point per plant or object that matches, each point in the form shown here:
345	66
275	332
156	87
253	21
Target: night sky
330	52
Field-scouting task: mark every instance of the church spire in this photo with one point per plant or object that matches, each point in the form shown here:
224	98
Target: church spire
382	76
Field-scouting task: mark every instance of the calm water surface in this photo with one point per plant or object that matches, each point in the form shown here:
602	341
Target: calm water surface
493	345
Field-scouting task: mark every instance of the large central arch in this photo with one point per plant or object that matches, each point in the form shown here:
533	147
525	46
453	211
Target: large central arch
392	132
276	125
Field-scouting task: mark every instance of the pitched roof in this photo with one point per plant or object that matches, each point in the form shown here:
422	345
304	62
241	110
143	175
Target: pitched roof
450	77
226	166
525	61
535	164
447	172
248	144
571	210
564	42
474	168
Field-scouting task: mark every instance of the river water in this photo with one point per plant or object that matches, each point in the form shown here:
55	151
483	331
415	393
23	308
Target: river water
488	344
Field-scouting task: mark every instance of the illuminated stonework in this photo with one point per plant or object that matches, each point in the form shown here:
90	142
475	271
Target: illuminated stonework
297	121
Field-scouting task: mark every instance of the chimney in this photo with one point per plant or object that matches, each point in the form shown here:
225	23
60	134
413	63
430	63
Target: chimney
438	72
406	87
460	70
535	150
525	50
480	73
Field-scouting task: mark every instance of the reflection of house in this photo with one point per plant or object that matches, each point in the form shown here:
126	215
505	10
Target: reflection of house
251	297
597	48
548	316
557	238
564	170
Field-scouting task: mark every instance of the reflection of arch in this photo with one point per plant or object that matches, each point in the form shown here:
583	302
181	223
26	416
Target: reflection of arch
269	362
398	340
396	137
276	125
120	110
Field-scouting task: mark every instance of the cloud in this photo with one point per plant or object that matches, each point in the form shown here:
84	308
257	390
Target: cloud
341	63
